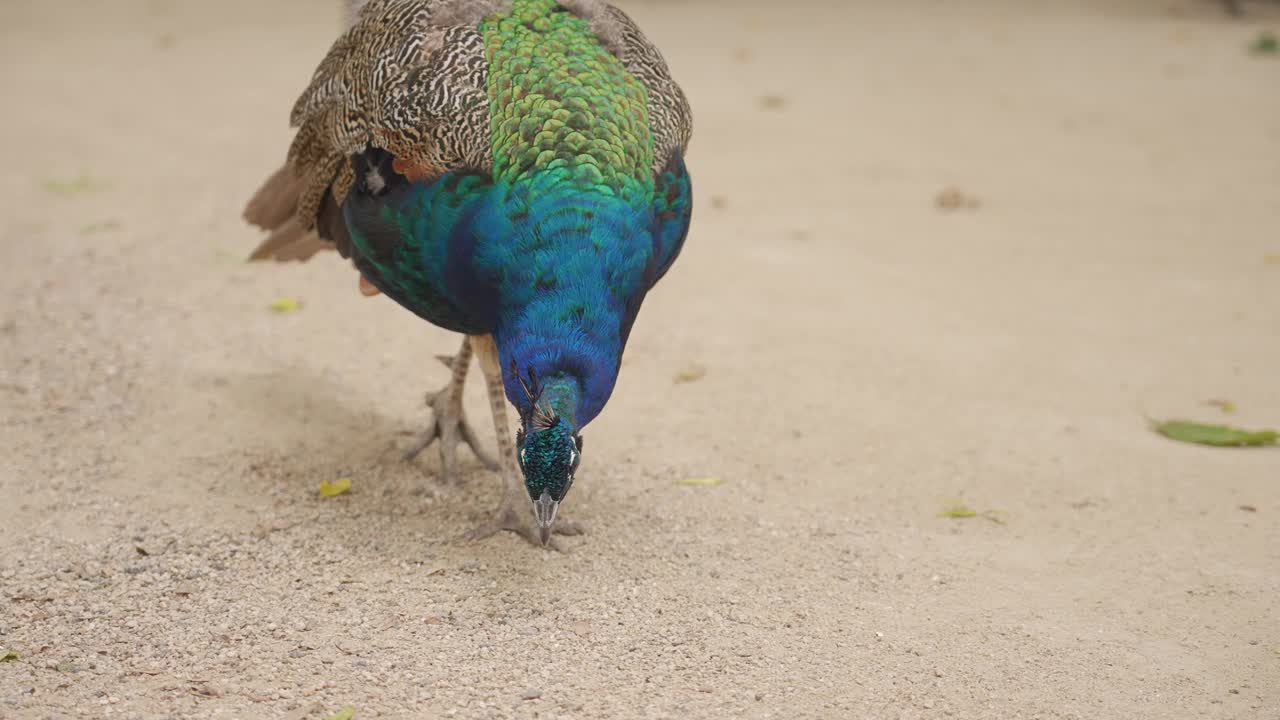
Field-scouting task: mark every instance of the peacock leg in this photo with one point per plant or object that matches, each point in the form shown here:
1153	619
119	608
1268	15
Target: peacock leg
449	421
515	513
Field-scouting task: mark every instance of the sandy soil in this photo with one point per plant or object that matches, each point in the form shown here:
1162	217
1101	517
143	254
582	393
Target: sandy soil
869	359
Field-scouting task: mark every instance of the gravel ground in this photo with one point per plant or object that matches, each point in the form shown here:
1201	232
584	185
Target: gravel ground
942	251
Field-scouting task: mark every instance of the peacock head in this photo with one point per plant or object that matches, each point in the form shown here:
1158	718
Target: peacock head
548	451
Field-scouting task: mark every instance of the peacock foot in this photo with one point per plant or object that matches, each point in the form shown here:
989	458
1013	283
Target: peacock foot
516	515
450	427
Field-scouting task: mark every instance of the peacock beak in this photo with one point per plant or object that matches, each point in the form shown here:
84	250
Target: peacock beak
544	510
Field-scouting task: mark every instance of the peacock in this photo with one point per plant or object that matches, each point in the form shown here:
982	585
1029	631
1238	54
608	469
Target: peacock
512	170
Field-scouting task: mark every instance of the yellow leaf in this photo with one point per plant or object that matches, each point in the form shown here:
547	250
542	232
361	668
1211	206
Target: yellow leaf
690	374
700	481
958	510
285	304
346	713
97	227
342	486
75	186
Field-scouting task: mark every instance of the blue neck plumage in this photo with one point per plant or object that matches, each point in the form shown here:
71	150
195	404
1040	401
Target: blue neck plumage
579	280
575	366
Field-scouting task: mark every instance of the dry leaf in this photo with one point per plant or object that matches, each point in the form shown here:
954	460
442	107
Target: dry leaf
341	486
285	304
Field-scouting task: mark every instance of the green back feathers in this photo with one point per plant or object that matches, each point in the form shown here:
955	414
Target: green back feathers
559	100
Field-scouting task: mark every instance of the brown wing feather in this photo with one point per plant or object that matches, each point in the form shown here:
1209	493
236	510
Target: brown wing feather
407	76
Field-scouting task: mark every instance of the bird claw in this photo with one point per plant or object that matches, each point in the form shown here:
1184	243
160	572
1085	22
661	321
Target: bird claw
517	518
449	425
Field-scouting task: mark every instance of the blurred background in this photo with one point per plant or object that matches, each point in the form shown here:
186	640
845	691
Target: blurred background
878	446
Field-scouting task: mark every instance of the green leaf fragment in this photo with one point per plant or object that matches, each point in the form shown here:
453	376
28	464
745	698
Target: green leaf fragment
958	510
1266	44
346	713
1214	435
285	304
98	227
75	186
8	655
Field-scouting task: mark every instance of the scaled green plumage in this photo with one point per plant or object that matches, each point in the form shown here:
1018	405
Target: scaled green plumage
559	99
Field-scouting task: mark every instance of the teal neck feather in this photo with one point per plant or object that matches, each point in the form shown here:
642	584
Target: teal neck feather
562	395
